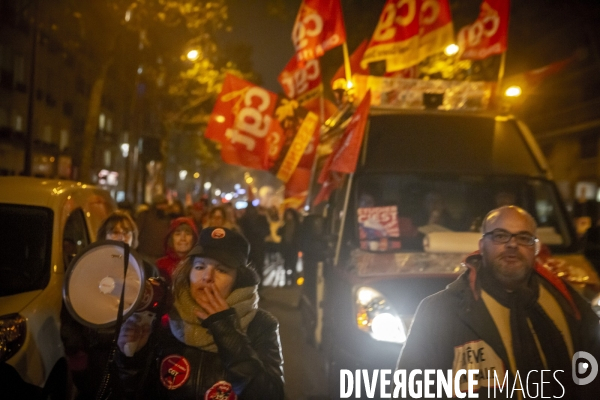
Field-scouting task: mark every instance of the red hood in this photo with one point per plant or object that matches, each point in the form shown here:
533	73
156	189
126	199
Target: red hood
175	223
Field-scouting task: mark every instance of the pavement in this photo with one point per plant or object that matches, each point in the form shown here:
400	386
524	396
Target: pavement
304	367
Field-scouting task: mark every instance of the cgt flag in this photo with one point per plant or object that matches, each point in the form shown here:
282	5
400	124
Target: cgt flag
409	31
242	121
301	81
488	35
319	27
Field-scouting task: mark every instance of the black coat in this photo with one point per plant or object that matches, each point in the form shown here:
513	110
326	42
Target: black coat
251	363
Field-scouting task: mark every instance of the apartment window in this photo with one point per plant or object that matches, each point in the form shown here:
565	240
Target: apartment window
18	123
19	70
109	125
589	145
107	158
47	134
102	121
3	118
64	139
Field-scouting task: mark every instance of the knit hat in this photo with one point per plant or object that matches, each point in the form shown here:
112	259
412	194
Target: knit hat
224	245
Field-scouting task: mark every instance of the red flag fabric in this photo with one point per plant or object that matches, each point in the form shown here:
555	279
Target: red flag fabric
488	35
346	155
536	76
299	81
409	31
355	66
242	121
319	27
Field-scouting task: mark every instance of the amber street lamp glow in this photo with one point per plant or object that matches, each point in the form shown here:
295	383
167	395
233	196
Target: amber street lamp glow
193	55
451	49
513	91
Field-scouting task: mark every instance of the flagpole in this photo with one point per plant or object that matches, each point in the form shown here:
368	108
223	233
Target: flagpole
501	73
342	222
313	169
347	69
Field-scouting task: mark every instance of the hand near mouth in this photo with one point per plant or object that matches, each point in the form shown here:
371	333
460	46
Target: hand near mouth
212	303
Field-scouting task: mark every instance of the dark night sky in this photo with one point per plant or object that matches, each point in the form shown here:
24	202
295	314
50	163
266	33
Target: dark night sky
540	31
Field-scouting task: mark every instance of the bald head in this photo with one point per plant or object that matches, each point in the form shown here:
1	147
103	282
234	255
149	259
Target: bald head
503	212
510	262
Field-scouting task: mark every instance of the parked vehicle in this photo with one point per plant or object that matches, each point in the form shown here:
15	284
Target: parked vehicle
402	223
44	224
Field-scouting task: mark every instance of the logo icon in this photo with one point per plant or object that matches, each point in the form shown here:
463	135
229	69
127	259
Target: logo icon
218	233
581	367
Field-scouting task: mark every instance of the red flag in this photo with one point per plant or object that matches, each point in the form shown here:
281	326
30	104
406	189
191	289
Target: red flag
536	76
355	66
319	27
242	121
409	31
299	81
334	180
488	35
346	155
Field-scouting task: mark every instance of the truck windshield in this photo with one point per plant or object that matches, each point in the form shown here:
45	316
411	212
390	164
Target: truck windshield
394	212
25	248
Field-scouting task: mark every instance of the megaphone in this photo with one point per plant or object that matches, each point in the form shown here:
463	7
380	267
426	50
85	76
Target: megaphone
95	279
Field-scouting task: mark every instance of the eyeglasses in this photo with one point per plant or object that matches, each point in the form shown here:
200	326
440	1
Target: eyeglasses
120	234
501	236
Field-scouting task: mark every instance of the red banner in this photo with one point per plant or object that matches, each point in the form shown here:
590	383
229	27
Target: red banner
346	155
300	81
242	121
319	27
488	35
409	31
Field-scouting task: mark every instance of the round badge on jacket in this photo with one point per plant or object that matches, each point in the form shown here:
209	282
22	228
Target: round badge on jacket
174	371
221	390
218	233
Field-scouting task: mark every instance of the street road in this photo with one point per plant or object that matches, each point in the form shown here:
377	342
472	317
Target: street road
304	369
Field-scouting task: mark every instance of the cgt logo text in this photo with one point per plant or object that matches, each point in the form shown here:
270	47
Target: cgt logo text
462	383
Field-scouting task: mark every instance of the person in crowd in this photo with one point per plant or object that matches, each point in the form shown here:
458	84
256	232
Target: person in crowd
217	217
506	315
87	349
182	236
218	344
197	212
273	241
290	243
176	209
230	217
154	225
255	228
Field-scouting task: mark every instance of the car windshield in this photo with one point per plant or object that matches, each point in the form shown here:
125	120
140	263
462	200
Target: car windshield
395	212
25	248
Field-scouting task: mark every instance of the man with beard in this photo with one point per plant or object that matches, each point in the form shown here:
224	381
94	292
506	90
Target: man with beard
509	318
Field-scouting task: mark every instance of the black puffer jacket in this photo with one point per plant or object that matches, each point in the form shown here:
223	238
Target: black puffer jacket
251	364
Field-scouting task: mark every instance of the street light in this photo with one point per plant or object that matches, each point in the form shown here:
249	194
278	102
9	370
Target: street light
193	55
513	91
451	49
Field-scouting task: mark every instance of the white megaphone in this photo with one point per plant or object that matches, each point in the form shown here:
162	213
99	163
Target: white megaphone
95	279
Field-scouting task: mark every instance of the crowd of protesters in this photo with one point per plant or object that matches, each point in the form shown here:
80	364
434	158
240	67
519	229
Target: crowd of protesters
211	261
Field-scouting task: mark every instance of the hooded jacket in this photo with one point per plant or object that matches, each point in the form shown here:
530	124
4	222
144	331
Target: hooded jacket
453	330
167	264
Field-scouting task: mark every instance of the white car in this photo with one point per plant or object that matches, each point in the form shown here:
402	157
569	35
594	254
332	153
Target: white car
43	225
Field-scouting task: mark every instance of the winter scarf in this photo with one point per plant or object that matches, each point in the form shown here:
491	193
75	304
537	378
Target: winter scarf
187	328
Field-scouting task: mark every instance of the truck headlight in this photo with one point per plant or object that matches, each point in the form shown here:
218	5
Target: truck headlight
12	335
596	304
377	317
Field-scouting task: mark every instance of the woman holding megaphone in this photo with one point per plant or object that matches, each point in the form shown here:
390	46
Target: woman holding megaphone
217	344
